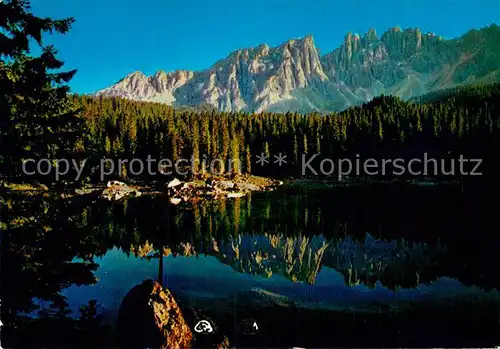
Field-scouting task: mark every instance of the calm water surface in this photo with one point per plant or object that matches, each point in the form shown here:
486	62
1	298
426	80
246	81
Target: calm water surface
389	261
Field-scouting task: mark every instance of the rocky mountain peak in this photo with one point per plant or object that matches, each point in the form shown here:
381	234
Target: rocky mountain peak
160	74
351	45
133	78
371	35
305	41
136	74
158	87
168	82
298	65
404	43
133	81
256	78
304	45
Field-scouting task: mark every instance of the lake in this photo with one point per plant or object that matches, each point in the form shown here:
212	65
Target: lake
383	265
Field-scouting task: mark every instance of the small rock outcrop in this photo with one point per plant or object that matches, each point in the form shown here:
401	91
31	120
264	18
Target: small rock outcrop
175	201
216	188
174	183
150	317
116	190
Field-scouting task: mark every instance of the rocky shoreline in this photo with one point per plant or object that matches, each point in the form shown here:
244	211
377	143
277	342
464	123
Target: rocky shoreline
190	191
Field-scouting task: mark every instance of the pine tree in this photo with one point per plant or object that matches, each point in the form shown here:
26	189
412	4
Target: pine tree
206	139
419	123
196	147
266	149
295	149
107	146
461	124
304	145
248	160
225	143
235	156
318	143
435	119
38	119
175	148
124	172
453	124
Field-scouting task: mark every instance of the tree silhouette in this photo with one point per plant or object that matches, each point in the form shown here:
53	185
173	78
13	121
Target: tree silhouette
37	118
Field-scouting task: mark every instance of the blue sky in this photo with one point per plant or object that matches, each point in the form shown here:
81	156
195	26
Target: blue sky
112	38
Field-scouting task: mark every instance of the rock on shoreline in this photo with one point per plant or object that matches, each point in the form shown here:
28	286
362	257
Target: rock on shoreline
118	190
187	191
150	317
194	190
217	188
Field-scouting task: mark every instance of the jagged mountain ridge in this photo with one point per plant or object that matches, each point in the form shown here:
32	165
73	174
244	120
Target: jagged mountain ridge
294	77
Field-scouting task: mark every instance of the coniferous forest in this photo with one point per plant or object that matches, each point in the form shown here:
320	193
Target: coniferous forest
465	121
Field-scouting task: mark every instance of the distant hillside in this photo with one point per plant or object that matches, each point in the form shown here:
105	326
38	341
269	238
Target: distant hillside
461	93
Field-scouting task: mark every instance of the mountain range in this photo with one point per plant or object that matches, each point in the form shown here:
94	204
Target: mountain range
295	77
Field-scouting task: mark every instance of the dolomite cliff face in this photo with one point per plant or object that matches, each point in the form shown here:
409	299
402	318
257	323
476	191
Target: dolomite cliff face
157	88
294	77
256	78
249	79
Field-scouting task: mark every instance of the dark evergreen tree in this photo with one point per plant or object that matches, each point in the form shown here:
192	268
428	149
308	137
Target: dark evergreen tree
37	119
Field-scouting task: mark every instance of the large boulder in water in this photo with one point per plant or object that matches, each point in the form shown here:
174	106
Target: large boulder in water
150	317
